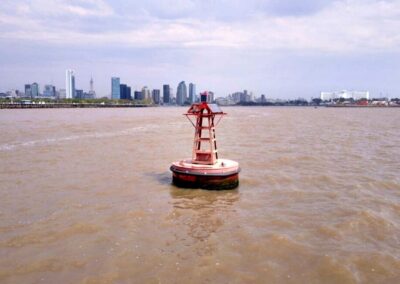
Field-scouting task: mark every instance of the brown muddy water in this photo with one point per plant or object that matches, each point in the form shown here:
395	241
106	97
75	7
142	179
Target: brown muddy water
86	197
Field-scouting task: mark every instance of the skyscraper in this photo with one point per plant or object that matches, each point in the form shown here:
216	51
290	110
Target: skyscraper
115	88
128	93
73	89
263	99
172	98
146	93
122	91
79	94
35	90
166	94
61	94
210	98
156	96
92	93
181	93
192	93
125	92
28	92
69	84
138	95
49	91
91	84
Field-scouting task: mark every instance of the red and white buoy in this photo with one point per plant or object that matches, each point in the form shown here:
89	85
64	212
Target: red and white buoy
205	169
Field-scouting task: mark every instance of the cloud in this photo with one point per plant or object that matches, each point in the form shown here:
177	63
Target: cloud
253	43
101	9
342	26
293	8
50	9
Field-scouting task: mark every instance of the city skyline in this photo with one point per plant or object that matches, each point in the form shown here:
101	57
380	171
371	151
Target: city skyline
185	94
278	48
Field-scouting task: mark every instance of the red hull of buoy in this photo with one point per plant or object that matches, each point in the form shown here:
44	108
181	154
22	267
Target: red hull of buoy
205	182
223	175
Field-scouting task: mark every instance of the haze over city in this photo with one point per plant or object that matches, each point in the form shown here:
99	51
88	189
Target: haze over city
283	49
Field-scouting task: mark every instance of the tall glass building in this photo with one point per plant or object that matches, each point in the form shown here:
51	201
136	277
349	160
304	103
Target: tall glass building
125	92
181	93
115	88
35	90
49	91
156	96
166	94
69	84
192	93
28	92
137	95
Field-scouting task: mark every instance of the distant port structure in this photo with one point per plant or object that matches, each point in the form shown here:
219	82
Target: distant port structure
344	94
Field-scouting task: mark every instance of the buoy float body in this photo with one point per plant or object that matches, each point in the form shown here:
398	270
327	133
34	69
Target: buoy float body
205	169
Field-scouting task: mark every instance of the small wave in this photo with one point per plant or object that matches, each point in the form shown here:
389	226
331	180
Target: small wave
43	265
369	225
50	141
45	237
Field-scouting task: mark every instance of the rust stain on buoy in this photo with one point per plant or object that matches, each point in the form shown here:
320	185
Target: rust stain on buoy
205	169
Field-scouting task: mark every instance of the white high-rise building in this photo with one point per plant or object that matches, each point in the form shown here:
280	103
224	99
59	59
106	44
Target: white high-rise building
192	93
146	94
181	94
69	84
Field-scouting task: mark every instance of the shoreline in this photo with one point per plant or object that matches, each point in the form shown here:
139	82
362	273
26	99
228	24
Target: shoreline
99	105
70	105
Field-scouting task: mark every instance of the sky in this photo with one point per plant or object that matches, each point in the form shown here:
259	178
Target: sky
280	48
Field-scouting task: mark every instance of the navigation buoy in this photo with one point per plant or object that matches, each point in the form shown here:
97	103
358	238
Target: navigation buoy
205	169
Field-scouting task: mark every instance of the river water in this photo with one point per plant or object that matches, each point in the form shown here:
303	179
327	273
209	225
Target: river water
86	197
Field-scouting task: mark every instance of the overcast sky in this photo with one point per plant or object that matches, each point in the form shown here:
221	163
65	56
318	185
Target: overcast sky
281	48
